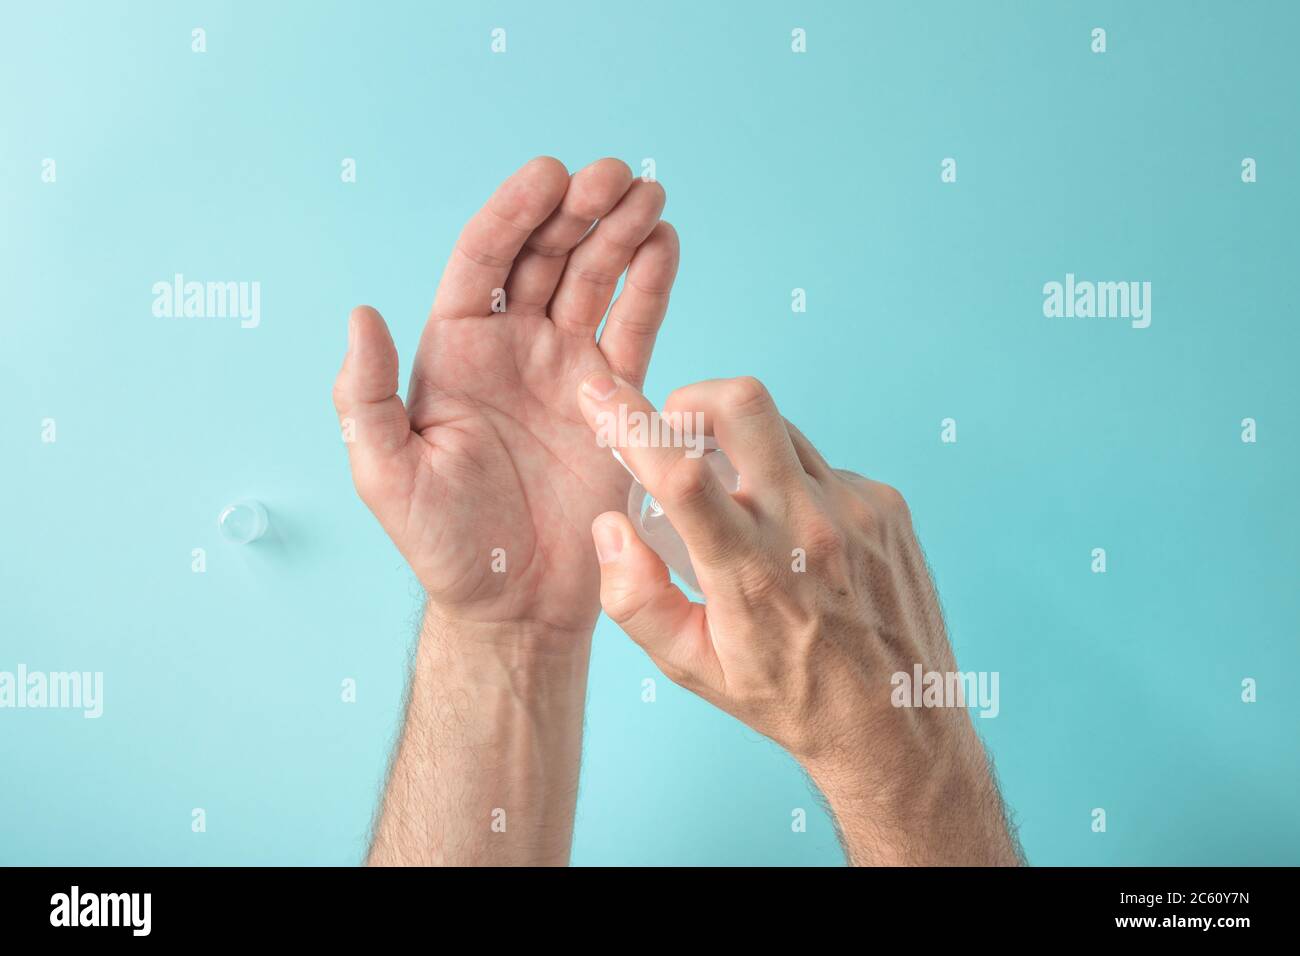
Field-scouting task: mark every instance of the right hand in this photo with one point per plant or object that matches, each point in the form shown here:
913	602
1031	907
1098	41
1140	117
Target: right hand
803	656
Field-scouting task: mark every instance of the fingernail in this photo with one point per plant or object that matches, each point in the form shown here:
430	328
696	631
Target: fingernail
352	332
609	541
600	386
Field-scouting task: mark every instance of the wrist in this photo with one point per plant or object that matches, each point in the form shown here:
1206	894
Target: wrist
937	809
493	739
516	640
526	658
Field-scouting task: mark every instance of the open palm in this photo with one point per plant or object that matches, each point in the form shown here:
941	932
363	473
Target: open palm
488	478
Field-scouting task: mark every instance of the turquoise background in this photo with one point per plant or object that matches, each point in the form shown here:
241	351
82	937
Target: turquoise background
818	171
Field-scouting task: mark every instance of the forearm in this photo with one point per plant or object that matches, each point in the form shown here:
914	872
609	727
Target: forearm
486	772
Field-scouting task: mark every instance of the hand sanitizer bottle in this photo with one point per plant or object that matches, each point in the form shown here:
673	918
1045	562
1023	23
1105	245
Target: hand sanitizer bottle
654	528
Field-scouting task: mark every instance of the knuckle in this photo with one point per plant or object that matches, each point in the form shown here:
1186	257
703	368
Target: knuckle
678	398
823	538
618	167
687	481
369	485
745	396
892	501
860	512
622	604
758	578
637	323
652	191
626	601
665	232
340	395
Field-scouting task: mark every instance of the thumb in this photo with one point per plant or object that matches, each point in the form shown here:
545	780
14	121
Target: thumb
638	595
372	417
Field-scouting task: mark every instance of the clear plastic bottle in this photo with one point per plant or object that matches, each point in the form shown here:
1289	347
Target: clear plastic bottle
654	528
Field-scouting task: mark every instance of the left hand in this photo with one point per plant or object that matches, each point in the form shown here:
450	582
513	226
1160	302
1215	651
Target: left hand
490	451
